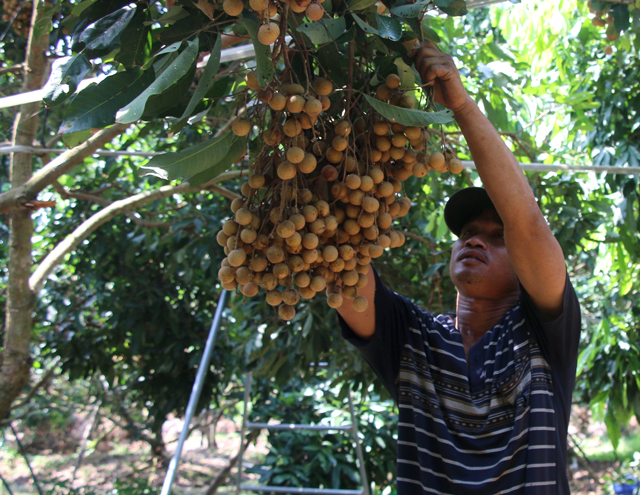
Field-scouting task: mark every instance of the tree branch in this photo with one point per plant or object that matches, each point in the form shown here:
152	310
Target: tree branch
17	197
36	281
422	240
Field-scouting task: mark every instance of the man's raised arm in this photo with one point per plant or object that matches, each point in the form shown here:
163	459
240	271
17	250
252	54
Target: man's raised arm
534	252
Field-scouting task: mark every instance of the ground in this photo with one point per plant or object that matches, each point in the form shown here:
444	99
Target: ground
200	464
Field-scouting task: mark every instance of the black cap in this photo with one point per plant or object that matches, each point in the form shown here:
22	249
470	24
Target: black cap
465	205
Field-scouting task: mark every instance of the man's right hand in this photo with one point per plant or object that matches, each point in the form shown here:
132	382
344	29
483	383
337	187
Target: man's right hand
437	69
363	324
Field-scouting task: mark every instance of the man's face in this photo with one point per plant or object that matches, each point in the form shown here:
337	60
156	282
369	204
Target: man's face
480	266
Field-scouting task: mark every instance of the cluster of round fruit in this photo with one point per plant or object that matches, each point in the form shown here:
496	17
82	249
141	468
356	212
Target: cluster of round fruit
267	9
22	22
322	195
604	18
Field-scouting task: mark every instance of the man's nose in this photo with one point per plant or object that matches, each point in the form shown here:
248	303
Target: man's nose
475	241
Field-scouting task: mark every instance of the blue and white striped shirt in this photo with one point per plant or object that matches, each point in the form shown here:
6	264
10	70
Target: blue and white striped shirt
496	426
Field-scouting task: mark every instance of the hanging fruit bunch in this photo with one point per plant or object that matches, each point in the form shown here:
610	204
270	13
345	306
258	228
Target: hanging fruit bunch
22	12
613	17
327	170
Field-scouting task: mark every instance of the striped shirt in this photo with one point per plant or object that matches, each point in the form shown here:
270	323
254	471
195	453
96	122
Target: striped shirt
496	426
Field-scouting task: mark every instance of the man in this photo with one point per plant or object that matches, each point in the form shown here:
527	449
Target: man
484	394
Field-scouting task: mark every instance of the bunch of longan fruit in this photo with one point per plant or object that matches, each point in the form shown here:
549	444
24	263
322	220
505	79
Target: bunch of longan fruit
265	10
322	194
22	22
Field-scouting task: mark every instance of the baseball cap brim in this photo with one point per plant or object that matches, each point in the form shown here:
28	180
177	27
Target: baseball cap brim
465	205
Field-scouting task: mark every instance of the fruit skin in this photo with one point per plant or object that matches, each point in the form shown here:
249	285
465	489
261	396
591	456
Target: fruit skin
268	33
241	127
233	7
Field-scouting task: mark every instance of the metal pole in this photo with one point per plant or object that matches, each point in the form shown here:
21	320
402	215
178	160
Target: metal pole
195	395
245	415
359	453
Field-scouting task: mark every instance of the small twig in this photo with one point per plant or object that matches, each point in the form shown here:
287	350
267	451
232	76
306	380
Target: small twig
26	459
6	485
13	68
422	240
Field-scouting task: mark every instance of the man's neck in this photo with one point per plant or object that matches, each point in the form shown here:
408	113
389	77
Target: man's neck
475	317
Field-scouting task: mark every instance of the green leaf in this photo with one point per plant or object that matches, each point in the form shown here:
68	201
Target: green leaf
207	78
411	10
95	106
442	3
430	34
66	74
264	65
407	76
193	160
236	151
364	26
455	8
44	23
135	45
324	31
174	14
360	4
330	58
74	139
389	27
407	116
80	7
613	427
134	110
620	15
105	32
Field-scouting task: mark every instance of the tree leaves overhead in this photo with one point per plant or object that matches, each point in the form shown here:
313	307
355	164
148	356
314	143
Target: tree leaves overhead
136	42
411	10
453	7
183	63
389	27
66	74
407	116
105	32
96	105
324	31
236	151
191	161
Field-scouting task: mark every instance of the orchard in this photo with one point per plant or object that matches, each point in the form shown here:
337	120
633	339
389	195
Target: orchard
273	149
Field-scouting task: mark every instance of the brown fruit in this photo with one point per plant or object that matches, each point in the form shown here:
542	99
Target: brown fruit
278	101
437	162
268	33
314	11
308	163
334	300
455	166
233	7
290	296
392	81
241	127
295	154
275	254
296	103
226	274
286	229
313	107
286	170
284	311
383	92
360	304
322	86
274	297
237	257
292	128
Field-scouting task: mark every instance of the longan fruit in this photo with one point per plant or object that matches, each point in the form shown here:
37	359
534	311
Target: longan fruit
353	181
383	143
222	238
310	255
281	270
292	128
317	283
243	216
295	154
375	250
322	86
241	127
383	92
256	181
334	156
314	11
307	292
275	254
401	173
230	227
278	101
331	222
226	274
302	279
268	33
437	161
350	277
233	7
286	170
360	304
286	229
258	5
318	226
381	128
313	107
258	263
284	311
455	166
296	103
243	275
384	220
310	241
385	189
248	235
399	140
308	163
290	296
407	101
396	153
237	257
326	102
272	137
392	81
310	213
322	207
274	297
292	89
334	300
249	289
330	253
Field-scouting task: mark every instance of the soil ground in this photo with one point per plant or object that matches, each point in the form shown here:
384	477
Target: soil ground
200	463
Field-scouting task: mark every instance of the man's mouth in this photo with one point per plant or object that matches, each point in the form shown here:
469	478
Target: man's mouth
472	254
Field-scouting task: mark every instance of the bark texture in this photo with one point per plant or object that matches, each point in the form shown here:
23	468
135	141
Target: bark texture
16	361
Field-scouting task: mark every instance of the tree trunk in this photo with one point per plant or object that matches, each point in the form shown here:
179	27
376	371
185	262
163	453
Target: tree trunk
16	362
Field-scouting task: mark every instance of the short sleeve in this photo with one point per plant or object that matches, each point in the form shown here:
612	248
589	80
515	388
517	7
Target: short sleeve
558	338
393	318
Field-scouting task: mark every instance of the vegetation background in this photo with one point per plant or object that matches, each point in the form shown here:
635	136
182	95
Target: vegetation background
109	277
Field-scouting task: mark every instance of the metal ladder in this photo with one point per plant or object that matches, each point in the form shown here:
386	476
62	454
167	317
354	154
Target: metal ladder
352	428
